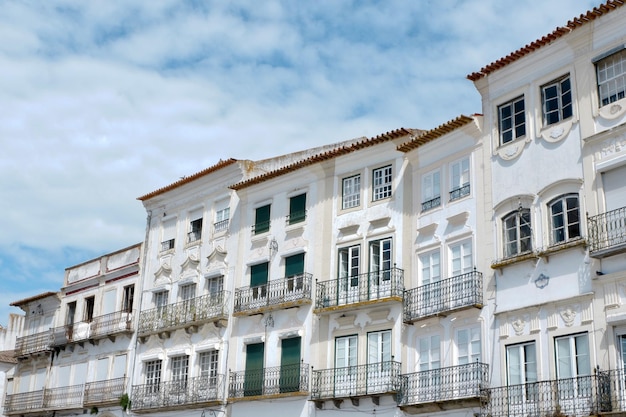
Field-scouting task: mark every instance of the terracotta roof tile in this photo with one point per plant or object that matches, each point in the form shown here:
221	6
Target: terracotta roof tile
339	151
433	134
575	23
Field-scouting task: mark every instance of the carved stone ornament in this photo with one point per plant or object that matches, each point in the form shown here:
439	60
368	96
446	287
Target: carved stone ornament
568	315
556	133
518	326
611	146
613	110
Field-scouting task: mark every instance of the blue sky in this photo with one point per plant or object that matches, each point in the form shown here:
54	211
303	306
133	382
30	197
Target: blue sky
103	102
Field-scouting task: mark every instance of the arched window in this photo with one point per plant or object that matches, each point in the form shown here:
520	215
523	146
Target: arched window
517	232
564	218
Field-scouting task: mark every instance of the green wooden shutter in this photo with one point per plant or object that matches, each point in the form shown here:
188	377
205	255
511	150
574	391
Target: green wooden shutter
262	219
258	274
297	208
253	382
294	265
290	365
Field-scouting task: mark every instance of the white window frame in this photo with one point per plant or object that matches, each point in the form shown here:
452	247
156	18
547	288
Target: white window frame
512	120
573	356
556	100
565	222
460	178
429	353
351	192
382	182
222	216
195	230
215	285
526	369
469	345
208	362
430	267
431	190
517	233
461	258
179	368
152	374
348	345
611	77
379	347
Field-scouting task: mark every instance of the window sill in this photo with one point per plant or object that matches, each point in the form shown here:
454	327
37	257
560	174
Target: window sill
499	263
613	110
558	247
513	149
556	132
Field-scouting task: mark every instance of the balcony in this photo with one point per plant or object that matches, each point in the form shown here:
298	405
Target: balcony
460	192
363	289
34	343
276	294
431	204
107	325
603	393
194	392
103	393
370	380
278	381
443	297
50	399
188	314
607	233
445	388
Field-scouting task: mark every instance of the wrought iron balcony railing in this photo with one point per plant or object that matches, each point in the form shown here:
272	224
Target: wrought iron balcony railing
370	286
178	394
269	381
452	383
99	327
34	343
261	227
602	392
459	192
458	292
194	236
47	399
203	309
276	293
431	204
103	392
607	232
357	381
296	217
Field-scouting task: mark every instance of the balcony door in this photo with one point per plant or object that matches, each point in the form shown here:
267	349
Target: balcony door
349	269
345	366
294	273
429	363
253	382
431	298
615	198
462	292
290	365
468	355
379	366
522	377
573	370
380	269
258	282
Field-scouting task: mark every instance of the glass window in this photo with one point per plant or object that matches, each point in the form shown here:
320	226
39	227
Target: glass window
461	258
572	355
430	267
517	233
186	292
459	179
512	120
556	98
153	375
431	194
351	192
129	297
382	183
297	209
195	230
468	345
89	306
180	368
565	218
208	364
380	258
345	351
169	234
221	219
379	346
262	219
521	363
215	285
429	353
611	73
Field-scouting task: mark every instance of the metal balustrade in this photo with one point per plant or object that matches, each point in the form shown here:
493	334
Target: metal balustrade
296	217
34	343
607	232
431	204
47	399
24	402
355	381
221	225
458	292
177	394
286	291
209	307
104	392
360	288
602	392
269	381
460	192
98	327
445	384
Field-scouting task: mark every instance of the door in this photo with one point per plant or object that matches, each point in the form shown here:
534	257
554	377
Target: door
349	268
294	274
345	366
380	269
290	365
573	371
258	284
468	356
429	382
522	375
462	290
379	366
253	382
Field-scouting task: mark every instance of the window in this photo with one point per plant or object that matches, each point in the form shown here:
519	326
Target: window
381	185
187	292
565	218
221	219
89	306
430	267
459	179
429	353
160	301
169	234
180	368
349	268
129	297
351	192
208	364
380	261
431	195
345	351
556	98
258	279
153	375
512	120
262	220
297	209
195	232
517	233
468	345
611	73
71	313
521	361
254	375
215	285
379	347
572	356
461	258
294	272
